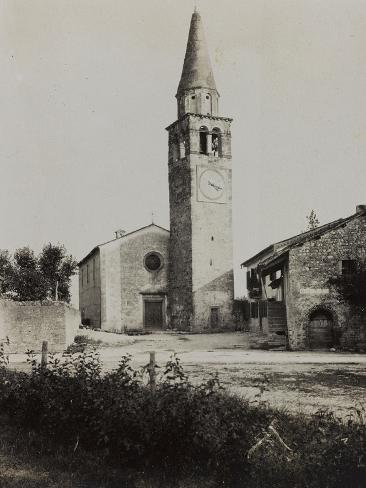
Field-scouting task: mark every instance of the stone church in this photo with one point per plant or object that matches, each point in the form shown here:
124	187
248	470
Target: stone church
183	279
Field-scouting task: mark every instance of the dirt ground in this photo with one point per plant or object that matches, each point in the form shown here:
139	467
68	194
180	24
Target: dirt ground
296	381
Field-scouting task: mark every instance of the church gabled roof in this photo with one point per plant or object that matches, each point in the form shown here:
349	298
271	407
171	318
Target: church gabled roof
197	70
98	246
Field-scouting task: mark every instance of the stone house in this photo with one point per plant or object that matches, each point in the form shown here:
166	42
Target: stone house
123	282
291	298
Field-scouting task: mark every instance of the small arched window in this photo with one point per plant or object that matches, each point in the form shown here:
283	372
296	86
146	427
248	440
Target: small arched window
207	104
216	142
203	139
192	103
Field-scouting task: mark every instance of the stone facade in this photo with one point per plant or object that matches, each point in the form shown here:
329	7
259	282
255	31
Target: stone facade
301	268
201	275
138	284
180	277
28	324
115	296
89	290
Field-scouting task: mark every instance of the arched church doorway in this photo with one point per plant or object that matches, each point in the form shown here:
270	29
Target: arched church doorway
321	335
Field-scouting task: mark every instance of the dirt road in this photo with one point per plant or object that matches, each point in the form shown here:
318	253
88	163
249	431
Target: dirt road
305	381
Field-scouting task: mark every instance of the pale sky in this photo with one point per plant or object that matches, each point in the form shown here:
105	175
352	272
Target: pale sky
87	88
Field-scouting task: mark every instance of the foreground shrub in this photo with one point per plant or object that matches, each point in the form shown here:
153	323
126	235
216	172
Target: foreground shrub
181	431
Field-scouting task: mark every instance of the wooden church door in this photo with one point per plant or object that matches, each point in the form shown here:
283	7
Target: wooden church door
153	314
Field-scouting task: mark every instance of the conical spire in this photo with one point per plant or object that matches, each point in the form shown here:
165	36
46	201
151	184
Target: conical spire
197	71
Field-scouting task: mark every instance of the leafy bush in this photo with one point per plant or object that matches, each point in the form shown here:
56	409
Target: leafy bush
352	288
178	431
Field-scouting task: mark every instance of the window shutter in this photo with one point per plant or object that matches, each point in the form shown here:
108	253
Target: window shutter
249	281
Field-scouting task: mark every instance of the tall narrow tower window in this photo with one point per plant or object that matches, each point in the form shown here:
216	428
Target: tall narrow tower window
216	142
203	139
175	148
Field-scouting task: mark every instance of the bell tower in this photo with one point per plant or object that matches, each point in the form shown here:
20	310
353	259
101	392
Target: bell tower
201	288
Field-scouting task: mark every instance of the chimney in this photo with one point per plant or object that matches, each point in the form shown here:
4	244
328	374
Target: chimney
119	233
360	208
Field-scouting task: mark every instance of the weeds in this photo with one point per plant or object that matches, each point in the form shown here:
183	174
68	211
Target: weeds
4	357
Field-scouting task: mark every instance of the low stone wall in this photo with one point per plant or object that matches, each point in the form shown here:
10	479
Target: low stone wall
27	324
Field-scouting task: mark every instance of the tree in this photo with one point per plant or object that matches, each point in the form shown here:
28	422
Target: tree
5	271
57	268
29	277
26	281
312	221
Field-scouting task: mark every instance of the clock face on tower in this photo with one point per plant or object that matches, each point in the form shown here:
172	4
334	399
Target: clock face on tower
211	185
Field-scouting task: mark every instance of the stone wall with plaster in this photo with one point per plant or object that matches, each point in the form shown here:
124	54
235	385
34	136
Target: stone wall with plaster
28	324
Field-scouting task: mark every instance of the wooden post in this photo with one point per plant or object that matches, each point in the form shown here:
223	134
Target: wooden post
44	354
152	372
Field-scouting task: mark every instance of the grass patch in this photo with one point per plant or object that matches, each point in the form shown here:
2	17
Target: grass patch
81	343
340	378
29	460
330	378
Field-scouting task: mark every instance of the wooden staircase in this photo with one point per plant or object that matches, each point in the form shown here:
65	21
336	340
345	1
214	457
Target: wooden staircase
277	319
276	339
